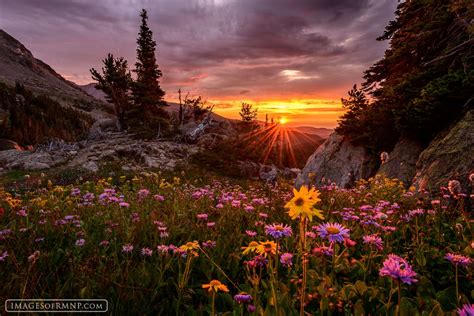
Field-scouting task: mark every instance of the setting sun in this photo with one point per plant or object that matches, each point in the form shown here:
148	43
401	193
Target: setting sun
283	120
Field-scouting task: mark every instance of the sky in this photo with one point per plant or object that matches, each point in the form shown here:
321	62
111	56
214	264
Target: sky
288	58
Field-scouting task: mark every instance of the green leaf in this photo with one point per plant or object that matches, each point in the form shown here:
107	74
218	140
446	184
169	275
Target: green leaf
361	287
437	310
359	308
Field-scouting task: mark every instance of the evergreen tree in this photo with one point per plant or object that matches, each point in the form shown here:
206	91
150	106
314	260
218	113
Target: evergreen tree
147	92
115	82
425	80
355	105
247	113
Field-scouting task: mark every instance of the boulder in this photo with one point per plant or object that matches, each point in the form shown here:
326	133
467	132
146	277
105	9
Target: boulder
91	166
402	160
268	173
449	156
337	161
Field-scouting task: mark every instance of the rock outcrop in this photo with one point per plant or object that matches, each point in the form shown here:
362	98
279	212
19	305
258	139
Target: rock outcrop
338	161
449	156
90	155
402	160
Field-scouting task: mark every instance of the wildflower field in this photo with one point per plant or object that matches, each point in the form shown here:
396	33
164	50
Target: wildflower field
180	246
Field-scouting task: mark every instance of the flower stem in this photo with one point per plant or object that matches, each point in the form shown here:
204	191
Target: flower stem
457	284
303	263
399	296
213	312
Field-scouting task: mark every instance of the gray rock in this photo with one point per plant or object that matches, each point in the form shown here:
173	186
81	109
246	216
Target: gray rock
91	166
449	156
35	165
268	174
402	160
338	161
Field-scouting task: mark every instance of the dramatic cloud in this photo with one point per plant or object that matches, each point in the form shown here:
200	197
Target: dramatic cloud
226	50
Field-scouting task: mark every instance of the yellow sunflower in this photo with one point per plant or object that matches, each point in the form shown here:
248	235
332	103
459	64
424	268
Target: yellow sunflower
190	246
252	247
215	286
267	247
302	204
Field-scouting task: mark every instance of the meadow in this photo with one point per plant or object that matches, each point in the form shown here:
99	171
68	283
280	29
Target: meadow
182	245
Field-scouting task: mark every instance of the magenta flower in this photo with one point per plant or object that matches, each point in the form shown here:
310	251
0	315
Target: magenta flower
3	256
127	248
398	269
104	243
80	242
147	252
278	231
162	248
458	260
202	216
211	224
334	232
373	240
466	310
209	244
124	204
250	233
286	259
249	208
159	198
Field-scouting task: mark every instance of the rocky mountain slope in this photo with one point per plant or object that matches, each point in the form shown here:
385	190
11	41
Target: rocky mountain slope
449	156
17	64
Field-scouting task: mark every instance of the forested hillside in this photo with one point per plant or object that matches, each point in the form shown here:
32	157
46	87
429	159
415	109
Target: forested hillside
424	82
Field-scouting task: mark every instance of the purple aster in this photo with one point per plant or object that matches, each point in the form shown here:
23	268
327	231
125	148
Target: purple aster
257	261
286	259
209	244
398	269
334	232
243	297
458	260
466	310
373	240
278	231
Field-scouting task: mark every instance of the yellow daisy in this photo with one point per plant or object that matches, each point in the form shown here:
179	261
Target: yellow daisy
252	247
267	247
215	286
302	204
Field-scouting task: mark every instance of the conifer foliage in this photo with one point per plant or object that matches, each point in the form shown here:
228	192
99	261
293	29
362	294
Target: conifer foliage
146	89
115	82
424	82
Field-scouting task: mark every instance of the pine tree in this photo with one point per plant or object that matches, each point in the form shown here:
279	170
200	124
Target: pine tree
247	113
115	82
147	92
425	80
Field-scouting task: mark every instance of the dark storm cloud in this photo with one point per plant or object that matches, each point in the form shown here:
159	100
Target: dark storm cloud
217	48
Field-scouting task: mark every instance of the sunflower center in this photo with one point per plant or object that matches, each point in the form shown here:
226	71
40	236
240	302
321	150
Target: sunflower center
333	230
299	202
